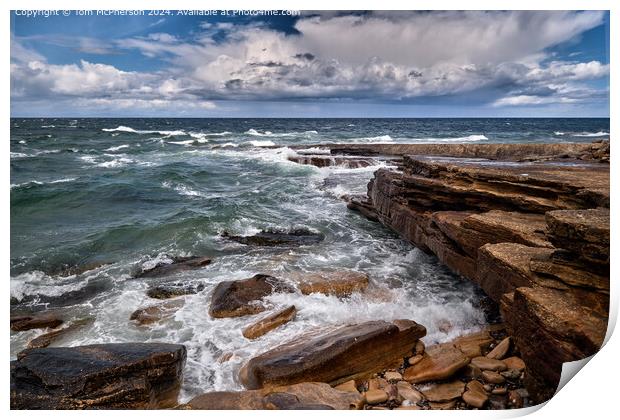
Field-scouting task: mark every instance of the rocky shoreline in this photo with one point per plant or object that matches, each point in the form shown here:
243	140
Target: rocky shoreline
528	223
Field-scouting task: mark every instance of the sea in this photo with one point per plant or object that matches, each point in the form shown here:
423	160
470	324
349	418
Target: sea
93	201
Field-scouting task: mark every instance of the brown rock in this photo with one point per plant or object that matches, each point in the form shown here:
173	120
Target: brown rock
375	396
439	362
514	363
308	395
322	161
475	399
48	338
127	375
178	264
270	322
499	391
419	347
406	392
476	386
156	313
414	359
444	392
472	372
471	345
238	297
393	376
29	322
348	386
484	363
515	398
294	237
339	283
377	383
492	377
500	350
450	405
346	353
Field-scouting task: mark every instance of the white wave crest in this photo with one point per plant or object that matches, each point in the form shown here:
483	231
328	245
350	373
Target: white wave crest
261	143
125	129
35	182
115	148
597	134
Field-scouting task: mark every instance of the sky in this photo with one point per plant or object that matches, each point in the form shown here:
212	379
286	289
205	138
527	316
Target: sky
315	64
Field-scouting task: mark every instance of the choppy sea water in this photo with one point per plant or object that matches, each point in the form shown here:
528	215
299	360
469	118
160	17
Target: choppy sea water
127	193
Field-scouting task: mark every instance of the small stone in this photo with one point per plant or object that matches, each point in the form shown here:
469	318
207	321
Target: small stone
515	399
392	392
410	394
488	388
376	396
445	392
392	376
499	391
500	350
415	359
476	386
348	386
439	362
225	357
443	405
377	383
444	326
493	377
472	372
419	348
497	402
475	398
484	363
514	363
512	374
270	322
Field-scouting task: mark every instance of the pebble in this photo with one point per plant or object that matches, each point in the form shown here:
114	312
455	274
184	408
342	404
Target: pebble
347	386
476	386
410	394
493	377
419	348
484	363
443	405
376	396
499	391
377	383
415	359
475	399
514	363
511	374
500	350
393	376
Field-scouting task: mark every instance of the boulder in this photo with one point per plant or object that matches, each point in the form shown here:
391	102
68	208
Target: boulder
48	338
118	376
176	290
295	237
240	297
338	283
323	161
439	362
270	322
308	395
350	352
500	350
178	264
156	313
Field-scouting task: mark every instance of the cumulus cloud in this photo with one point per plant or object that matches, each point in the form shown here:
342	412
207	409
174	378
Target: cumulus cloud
380	56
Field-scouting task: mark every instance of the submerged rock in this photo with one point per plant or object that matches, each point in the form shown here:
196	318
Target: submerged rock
302	396
156	313
295	237
338	283
349	352
239	297
177	264
270	322
167	292
127	376
322	161
48	338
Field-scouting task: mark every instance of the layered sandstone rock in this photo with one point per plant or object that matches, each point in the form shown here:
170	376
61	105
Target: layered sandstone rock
349	352
270	322
337	283
322	161
127	375
526	233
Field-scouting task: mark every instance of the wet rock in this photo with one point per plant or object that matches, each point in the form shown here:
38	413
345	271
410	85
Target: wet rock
270	322
445	392
178	264
500	391
472	344
439	362
295	237
48	338
362	205
500	350
29	322
156	313
511	374
472	372
239	297
449	405
323	161
349	352
339	283
516	397
415	359
127	375
475	395
375	396
309	395
484	363
170	291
